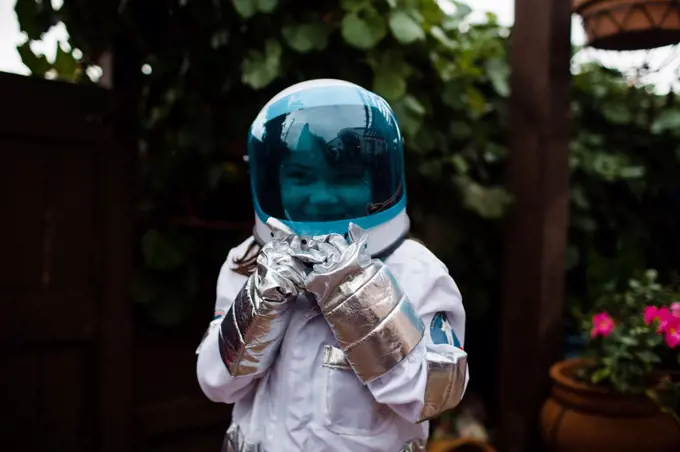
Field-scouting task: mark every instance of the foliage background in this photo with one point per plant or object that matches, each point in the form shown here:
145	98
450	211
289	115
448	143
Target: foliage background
213	64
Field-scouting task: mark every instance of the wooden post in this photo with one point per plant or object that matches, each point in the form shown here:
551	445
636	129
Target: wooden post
118	170
538	173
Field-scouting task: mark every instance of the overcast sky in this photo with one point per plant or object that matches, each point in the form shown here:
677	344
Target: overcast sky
10	37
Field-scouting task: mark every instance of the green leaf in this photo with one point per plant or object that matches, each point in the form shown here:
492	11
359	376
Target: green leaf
65	64
585	224
495	152
462	10
424	141
653	395
409	121
248	8
491	17
404	28
487	202
426	11
363	32
37	64
498	72
648	357
260	69
35	17
219	39
627	340
617	113
476	101
607	166
667	120
578	196
354	5
267	6
245	8
414	105
389	85
632	172
460	130
306	37
651	275
571	257
441	36
600	375
460	164
454	21
453	95
391	60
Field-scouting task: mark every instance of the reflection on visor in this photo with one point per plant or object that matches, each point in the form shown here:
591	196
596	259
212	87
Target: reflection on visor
382	206
356	144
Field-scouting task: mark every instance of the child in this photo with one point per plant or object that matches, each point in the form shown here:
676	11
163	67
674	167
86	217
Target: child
332	330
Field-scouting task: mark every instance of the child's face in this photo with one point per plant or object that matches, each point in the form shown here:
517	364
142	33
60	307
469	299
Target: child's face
313	189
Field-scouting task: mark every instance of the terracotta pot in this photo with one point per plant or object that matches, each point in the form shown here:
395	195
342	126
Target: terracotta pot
630	24
578	417
459	445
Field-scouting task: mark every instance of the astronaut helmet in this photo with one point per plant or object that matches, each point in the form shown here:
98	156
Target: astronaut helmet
324	153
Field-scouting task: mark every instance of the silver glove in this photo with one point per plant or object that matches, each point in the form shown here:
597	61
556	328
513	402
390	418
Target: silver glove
374	323
252	330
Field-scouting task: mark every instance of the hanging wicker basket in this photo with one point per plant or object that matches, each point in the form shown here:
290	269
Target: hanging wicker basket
630	24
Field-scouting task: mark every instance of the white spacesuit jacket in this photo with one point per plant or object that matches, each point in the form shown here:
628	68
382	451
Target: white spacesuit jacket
310	399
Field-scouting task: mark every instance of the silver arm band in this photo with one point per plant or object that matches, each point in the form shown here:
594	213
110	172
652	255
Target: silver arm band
446	381
252	330
374	323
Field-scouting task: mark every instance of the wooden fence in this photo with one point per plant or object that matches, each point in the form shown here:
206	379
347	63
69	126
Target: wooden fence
79	373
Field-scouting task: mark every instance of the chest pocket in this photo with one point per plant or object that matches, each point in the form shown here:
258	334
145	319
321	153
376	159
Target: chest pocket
347	406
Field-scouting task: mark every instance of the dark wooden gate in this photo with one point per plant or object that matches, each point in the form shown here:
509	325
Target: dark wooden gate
78	372
65	326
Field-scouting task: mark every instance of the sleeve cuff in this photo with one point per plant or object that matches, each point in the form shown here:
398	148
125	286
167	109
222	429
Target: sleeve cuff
375	325
251	332
446	382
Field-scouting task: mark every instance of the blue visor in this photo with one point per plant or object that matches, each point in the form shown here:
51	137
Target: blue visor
317	166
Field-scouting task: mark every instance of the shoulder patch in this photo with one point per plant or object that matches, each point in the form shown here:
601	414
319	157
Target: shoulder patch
441	331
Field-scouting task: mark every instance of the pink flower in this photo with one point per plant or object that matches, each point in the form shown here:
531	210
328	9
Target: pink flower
651	314
658	315
603	325
671	330
675	309
664	317
668	322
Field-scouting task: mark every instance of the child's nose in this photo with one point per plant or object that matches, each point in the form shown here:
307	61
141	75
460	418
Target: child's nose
323	194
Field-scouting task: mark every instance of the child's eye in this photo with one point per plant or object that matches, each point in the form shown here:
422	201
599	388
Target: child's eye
298	177
348	181
351	177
